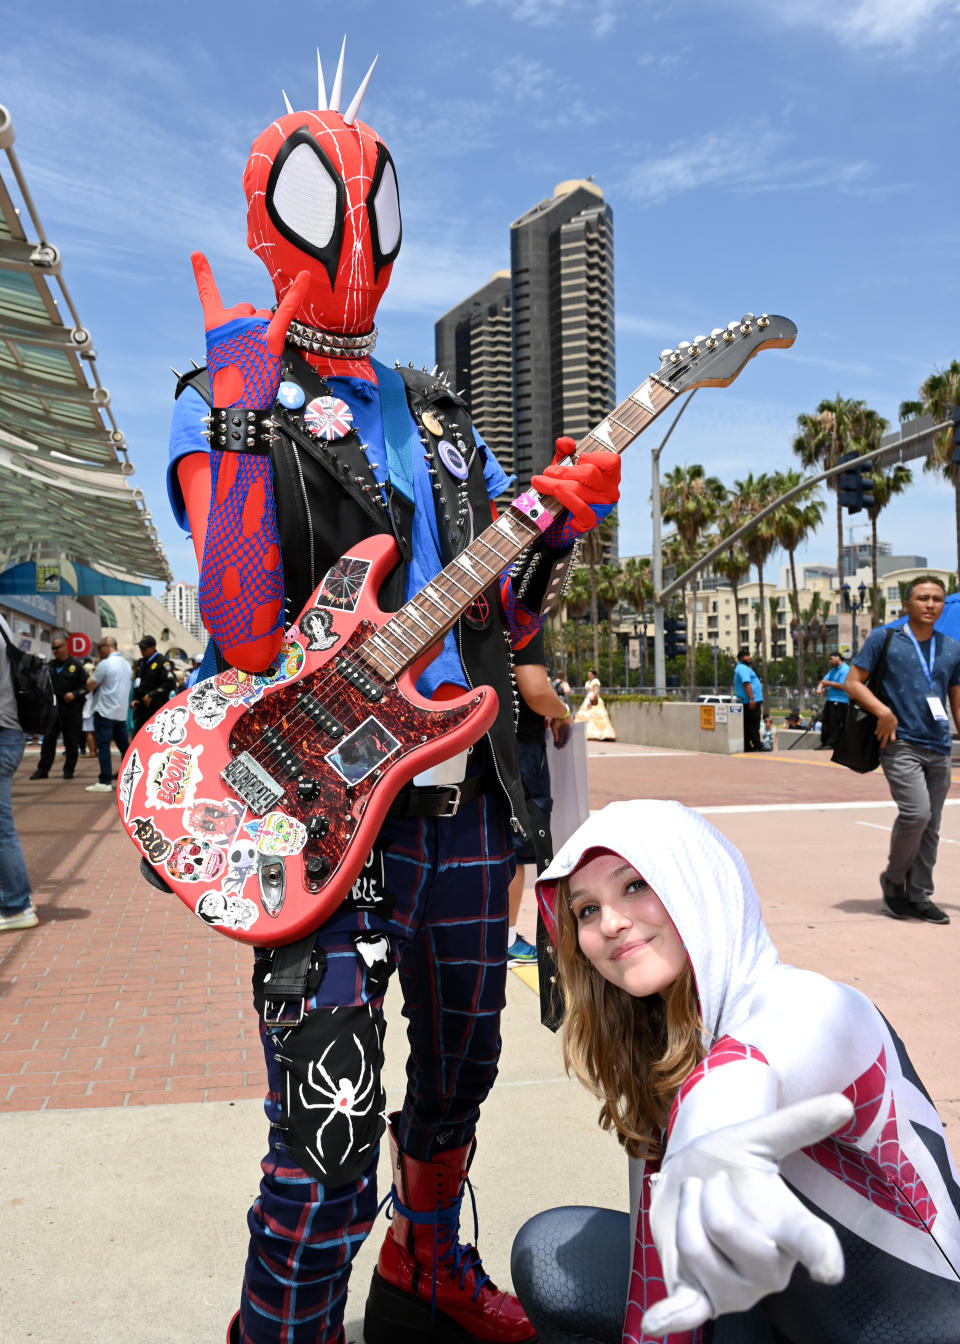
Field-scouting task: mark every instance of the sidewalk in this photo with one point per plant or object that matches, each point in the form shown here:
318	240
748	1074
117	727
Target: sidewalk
131	1123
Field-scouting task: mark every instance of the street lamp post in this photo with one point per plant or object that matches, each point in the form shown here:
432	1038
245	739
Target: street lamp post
854	606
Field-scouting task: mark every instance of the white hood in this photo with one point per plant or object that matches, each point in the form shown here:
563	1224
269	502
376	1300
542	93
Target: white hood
705	888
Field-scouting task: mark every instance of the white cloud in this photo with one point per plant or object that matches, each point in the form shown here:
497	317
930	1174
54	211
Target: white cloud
601	15
740	159
899	24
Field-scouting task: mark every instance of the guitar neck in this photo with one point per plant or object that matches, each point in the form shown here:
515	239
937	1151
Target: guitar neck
426	618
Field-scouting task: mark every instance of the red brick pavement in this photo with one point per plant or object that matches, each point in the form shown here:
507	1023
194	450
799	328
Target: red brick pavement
119	997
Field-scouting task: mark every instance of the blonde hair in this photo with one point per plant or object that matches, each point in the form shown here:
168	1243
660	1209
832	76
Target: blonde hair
632	1053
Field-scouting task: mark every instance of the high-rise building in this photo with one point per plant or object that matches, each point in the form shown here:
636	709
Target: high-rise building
180	599
564	370
533	349
474	348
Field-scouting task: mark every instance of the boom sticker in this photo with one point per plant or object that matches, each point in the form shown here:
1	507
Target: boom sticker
169	725
342	584
230	912
128	782
196	860
152	841
212	820
359	754
207	705
173	776
276	833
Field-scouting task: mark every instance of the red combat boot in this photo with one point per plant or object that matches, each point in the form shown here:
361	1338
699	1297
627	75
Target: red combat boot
427	1288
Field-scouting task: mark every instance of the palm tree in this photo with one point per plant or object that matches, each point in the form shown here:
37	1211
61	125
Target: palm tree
825	436
885	483
593	544
638	591
577	601
610	593
757	492
691	501
734	564
938	395
793	522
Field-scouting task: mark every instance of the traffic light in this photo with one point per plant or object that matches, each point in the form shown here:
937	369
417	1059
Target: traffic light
675	641
853	491
956	436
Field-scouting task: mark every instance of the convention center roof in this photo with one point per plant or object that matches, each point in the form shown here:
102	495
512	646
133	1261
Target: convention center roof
65	463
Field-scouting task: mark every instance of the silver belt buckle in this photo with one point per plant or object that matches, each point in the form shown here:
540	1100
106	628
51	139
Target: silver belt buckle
273	1010
453	806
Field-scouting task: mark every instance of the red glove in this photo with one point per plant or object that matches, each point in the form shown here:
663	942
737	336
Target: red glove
588	489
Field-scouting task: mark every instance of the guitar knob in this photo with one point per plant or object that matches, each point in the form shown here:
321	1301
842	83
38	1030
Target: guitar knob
317	827
308	789
317	868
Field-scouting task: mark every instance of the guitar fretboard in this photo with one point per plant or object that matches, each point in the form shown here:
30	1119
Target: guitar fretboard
426	618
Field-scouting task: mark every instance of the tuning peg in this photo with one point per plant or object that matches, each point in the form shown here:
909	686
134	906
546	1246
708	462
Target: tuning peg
763	321
747	317
665	355
711	342
683	345
732	329
699	340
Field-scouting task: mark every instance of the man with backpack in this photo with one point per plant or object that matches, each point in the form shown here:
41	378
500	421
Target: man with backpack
16	907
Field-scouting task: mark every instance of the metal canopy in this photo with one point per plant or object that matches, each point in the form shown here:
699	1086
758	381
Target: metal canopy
61	454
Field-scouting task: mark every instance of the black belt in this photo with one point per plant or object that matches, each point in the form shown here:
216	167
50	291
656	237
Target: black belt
440	800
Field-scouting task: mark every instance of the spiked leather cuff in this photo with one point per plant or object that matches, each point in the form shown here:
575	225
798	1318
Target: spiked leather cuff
239	429
340	345
540	577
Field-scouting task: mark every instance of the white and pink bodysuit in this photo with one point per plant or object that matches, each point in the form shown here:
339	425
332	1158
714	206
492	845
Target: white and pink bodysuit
886	1182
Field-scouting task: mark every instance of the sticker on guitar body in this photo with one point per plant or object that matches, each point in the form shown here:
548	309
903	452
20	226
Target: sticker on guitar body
230	912
363	751
277	834
128	782
342	584
173	776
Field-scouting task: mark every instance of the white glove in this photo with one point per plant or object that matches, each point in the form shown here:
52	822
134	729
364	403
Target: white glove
727	1228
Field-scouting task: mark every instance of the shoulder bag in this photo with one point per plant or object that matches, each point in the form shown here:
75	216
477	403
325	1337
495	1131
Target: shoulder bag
858	748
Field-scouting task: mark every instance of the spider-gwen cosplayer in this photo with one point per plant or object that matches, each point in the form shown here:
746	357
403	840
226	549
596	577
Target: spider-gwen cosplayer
790	1182
355	449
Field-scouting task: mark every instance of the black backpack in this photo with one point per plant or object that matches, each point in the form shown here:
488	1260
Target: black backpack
32	687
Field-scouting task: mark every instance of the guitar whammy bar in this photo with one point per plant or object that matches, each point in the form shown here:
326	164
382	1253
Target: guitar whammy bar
265	793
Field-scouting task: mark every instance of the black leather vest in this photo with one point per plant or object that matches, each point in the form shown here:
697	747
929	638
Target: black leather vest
328	500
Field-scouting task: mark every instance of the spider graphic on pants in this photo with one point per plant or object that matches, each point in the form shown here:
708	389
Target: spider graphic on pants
344	1097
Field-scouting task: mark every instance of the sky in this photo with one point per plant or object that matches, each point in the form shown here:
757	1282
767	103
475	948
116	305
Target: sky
791	158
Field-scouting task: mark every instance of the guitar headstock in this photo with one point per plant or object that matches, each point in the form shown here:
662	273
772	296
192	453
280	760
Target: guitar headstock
716	360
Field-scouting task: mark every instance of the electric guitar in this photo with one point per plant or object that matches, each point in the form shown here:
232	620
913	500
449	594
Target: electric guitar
257	798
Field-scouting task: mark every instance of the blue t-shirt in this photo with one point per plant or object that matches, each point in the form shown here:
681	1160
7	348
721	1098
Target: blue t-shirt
837	676
905	687
364	401
744	675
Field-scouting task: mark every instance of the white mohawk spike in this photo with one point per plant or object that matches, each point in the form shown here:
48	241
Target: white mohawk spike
350	116
286	100
321	87
338	81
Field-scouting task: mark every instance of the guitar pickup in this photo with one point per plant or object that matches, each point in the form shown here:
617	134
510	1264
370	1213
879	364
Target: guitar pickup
251	783
357	677
319	716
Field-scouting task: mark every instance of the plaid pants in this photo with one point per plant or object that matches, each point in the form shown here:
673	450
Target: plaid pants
448	882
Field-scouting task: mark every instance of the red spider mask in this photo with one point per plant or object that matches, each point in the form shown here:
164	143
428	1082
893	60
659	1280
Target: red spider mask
321	195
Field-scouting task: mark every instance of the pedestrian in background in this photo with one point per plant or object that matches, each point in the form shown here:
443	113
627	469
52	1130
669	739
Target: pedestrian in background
834	713
540	709
749	691
154	681
68	677
922	675
110	681
16	906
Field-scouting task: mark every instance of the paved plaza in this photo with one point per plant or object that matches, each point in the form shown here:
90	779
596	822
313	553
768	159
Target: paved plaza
131	1074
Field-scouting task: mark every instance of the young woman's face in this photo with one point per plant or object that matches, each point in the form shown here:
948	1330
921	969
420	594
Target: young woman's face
623	928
